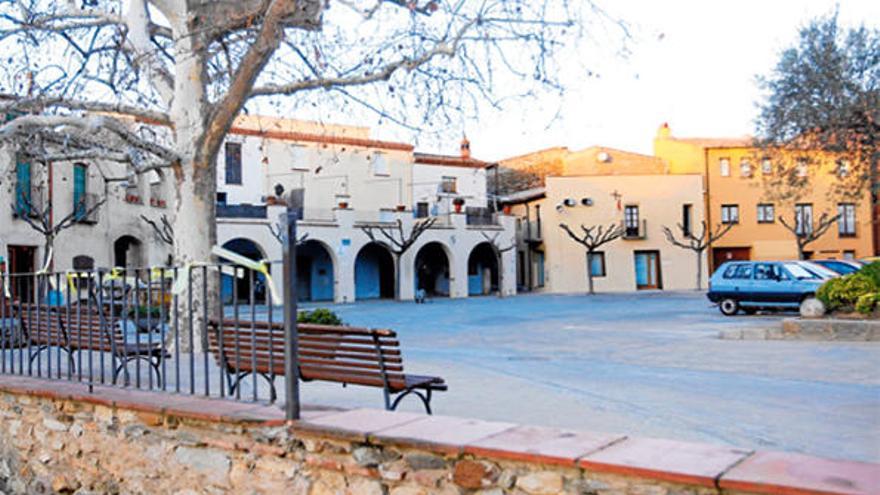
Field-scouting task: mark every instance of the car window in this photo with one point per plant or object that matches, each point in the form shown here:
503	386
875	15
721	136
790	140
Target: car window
730	271
743	271
800	273
839	267
766	271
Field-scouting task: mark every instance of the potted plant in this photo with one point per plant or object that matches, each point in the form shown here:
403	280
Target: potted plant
146	318
458	203
401	207
507	209
343	205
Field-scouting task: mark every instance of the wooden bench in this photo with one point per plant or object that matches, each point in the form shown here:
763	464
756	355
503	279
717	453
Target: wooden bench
346	355
81	327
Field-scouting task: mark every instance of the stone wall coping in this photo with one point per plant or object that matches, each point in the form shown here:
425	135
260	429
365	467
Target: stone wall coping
712	466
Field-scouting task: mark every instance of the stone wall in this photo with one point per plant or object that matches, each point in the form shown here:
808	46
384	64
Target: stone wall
60	438
818	329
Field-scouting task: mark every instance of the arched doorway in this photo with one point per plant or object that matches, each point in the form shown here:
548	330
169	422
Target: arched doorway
432	270
374	273
482	270
127	252
314	272
238	288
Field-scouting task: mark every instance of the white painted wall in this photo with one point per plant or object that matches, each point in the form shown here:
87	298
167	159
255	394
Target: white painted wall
471	185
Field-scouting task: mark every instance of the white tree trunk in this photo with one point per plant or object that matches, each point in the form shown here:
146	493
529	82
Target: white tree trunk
699	270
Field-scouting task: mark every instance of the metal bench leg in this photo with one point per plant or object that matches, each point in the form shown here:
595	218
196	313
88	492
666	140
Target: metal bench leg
425	398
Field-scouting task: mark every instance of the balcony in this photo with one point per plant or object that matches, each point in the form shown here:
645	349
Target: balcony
480	216
241	211
635	232
531	231
86	211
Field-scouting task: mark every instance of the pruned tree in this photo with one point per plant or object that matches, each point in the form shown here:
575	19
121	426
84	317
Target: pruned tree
594	237
158	83
805	231
277	231
824	95
397	240
499	251
163	229
697	243
40	219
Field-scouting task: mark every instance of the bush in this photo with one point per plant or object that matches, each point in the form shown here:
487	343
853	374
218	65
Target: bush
872	271
867	303
841	294
319	316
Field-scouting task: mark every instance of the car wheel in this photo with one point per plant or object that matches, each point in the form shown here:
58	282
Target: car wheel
728	307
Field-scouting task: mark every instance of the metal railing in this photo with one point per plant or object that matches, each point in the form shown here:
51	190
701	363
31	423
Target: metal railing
635	231
480	216
186	330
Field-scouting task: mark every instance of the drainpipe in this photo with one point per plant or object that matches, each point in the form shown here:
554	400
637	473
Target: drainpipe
529	247
51	208
707	209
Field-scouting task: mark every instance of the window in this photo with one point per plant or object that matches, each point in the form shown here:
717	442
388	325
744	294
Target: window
449	185
233	163
766	166
849	255
23	198
724	163
687	219
597	264
729	214
221	198
799	272
421	209
80	173
766	213
846	223
380	165
631	220
745	168
803	216
842	168
801	168
769	271
743	271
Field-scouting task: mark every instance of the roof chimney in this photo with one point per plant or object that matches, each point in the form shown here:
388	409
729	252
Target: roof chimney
465	147
664	131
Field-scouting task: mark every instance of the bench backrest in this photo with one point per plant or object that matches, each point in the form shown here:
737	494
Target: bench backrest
74	327
41	324
342	354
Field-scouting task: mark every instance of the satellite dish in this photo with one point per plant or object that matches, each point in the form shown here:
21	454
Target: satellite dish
603	157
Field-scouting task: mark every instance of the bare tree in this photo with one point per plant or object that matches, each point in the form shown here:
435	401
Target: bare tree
697	243
277	231
397	240
805	232
499	257
592	239
163	229
158	83
40	219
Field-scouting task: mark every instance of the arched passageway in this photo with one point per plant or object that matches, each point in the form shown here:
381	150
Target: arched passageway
127	252
374	273
482	270
314	272
239	287
432	270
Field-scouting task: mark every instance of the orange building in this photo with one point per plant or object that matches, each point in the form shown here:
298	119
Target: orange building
740	190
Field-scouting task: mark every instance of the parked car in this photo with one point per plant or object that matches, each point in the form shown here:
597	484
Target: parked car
843	267
754	285
813	267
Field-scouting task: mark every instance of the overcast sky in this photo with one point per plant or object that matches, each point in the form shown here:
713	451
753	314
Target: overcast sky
693	64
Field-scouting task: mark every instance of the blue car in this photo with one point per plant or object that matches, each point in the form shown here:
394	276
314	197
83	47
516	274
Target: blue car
754	285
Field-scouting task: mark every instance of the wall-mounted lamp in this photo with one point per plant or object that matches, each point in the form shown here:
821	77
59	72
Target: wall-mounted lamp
587	201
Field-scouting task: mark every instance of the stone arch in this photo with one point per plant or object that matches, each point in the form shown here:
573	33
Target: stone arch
239	288
128	252
483	270
433	269
315	271
374	272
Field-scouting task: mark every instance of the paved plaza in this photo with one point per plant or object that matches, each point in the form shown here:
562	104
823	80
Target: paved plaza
647	364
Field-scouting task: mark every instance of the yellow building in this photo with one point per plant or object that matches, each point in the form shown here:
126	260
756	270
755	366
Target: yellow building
742	188
607	188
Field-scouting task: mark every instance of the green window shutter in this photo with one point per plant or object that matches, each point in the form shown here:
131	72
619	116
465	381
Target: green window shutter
79	190
22	188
